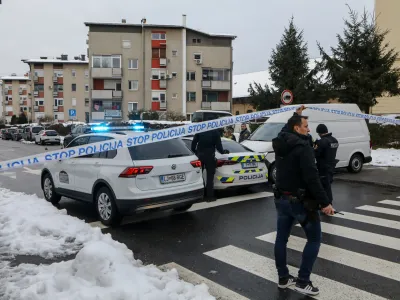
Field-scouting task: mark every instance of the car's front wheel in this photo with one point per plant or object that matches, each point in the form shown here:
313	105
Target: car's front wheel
106	208
356	163
49	190
272	174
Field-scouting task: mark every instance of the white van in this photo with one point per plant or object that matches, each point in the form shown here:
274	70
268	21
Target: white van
352	134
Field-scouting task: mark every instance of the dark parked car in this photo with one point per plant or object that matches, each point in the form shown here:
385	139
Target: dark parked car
77	131
17	134
7	135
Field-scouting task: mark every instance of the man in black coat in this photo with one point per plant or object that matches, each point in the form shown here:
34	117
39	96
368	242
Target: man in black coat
325	153
204	145
298	197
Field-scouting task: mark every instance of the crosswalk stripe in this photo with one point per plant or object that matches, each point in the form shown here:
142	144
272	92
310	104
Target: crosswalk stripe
369	220
216	290
390	202
382	210
359	235
265	268
345	257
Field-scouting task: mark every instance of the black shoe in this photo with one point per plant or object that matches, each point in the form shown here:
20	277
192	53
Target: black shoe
286	282
306	288
210	199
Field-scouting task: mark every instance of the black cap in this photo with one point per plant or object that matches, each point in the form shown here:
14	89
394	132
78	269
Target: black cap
321	129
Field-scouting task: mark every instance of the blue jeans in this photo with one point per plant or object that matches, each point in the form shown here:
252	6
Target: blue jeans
288	214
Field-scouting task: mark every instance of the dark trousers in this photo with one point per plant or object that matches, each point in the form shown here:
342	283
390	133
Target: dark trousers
288	214
208	163
326	181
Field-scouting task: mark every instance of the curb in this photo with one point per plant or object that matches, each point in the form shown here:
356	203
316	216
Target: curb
380	184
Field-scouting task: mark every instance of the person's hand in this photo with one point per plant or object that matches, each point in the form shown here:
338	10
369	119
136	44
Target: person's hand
329	210
300	110
315	146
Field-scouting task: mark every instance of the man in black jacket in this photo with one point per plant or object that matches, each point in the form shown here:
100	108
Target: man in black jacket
244	133
204	145
298	197
325	153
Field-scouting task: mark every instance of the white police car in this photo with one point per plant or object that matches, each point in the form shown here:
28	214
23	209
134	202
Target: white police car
240	168
161	175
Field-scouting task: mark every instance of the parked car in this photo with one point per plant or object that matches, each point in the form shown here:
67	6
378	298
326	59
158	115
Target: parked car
30	132
352	133
76	131
17	135
162	175
241	167
7	135
2	132
47	137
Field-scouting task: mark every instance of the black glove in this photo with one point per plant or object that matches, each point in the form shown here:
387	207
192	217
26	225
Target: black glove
226	151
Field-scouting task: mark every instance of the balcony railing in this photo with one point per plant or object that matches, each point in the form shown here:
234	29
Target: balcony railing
216	85
163	83
102	94
226	106
106	72
117	94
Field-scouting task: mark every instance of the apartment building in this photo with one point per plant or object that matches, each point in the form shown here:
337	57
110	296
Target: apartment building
15	91
1	99
386	12
157	67
58	86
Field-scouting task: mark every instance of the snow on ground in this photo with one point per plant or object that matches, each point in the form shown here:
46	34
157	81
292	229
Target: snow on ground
102	269
26	142
386	157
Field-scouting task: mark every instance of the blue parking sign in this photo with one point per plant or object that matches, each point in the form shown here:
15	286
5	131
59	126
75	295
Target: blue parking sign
72	112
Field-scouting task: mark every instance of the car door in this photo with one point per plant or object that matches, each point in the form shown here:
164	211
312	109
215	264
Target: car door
88	167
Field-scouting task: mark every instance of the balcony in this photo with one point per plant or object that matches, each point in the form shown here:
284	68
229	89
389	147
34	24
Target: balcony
35	78
225	106
35	93
216	85
36	108
117	94
55	94
55	78
102	94
106	72
163	62
163	83
55	108
163	105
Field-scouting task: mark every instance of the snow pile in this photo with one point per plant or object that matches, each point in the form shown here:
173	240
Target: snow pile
103	269
26	142
386	157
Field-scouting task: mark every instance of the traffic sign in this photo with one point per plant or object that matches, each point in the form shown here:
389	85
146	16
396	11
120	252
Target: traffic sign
287	97
72	112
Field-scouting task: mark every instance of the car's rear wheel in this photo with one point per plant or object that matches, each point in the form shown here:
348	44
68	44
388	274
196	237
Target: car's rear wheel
106	208
183	208
272	174
49	191
356	163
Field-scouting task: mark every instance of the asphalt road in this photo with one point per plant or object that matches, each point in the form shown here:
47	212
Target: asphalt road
229	244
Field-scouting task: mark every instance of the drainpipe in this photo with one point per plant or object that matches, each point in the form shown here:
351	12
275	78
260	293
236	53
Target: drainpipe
184	61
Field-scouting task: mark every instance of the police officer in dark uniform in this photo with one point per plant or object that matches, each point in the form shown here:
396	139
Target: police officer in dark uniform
325	153
299	196
244	133
204	145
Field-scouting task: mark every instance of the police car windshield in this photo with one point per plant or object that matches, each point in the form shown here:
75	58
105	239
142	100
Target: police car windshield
234	147
267	132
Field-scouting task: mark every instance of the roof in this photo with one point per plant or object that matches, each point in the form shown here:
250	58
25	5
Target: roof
231	36
241	82
55	61
15	78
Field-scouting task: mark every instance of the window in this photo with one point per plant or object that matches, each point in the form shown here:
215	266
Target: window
132	106
39	102
39	87
73	101
197	56
133	63
58	102
158	53
79	142
133	85
73	73
86	73
126	44
174	53
116	61
191	76
162	97
58	88
191	96
160	150
58	73
158	36
196	41
174	74
106	61
155	74
266	132
86	101
74	87
217	74
105	154
234	147
86	88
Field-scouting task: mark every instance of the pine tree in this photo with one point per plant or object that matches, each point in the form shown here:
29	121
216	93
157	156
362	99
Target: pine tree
14	120
262	98
22	119
361	67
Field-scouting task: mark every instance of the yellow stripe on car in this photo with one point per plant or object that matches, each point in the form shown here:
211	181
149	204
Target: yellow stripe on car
226	179
247	171
249	158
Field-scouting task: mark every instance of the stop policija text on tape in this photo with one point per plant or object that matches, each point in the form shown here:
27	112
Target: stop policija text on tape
166	134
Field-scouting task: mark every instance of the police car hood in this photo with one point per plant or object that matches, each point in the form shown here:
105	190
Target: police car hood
286	141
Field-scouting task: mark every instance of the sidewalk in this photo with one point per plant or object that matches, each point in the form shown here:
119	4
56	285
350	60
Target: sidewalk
382	176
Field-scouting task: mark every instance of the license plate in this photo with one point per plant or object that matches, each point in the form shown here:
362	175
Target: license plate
249	165
165	179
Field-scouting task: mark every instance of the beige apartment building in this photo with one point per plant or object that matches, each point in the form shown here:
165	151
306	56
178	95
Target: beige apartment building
15	92
387	13
58	86
157	67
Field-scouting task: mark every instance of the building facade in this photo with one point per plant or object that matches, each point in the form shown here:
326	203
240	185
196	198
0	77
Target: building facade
157	67
1	100
58	86
15	91
386	12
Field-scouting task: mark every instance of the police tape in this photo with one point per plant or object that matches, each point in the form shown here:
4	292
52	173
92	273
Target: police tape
137	139
142	138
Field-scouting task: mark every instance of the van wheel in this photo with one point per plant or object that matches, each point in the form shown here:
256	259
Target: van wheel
106	208
272	174
49	190
183	208
356	163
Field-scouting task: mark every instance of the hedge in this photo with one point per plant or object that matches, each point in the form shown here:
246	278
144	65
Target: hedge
384	136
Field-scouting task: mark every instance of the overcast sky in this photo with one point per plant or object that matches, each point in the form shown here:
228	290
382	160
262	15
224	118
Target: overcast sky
33	28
